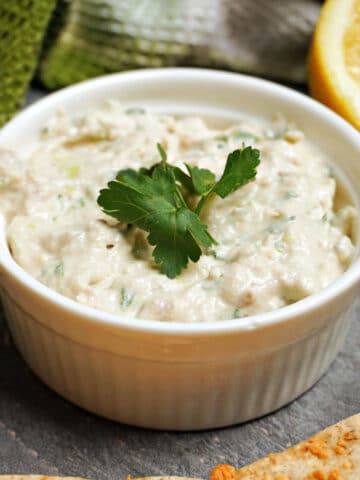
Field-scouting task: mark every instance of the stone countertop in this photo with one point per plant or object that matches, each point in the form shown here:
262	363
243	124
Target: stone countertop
42	433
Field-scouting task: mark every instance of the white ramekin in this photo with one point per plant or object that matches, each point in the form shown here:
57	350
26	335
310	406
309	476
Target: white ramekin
177	375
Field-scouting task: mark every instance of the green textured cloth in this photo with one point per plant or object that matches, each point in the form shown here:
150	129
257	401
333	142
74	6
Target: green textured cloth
87	38
92	37
22	27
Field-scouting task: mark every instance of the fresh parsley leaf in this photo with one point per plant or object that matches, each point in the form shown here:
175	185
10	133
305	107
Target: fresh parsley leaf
202	179
155	204
152	200
184	179
163	155
180	175
240	169
177	239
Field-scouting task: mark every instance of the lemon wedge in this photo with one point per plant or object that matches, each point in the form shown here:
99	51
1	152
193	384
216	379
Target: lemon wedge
334	59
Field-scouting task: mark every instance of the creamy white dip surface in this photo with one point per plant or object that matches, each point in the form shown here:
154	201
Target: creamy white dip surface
281	238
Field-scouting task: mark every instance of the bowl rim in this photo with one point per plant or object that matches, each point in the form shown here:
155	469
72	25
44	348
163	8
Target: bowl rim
343	283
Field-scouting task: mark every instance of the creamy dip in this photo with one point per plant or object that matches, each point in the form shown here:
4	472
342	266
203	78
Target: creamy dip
280	238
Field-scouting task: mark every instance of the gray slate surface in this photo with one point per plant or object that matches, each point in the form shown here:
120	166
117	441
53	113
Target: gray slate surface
42	433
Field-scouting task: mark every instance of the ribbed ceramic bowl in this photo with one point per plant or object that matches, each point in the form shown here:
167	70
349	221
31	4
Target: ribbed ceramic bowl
177	375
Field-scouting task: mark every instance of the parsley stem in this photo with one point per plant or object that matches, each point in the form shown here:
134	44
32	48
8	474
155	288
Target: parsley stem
178	194
180	198
162	153
202	202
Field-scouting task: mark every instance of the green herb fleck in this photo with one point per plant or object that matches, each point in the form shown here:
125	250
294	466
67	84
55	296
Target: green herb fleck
126	297
290	194
280	246
331	171
135	111
275	228
275	135
73	171
222	138
246	136
59	269
209	284
237	313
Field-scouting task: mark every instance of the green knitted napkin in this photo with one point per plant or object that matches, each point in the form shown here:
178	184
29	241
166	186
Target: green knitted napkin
22	27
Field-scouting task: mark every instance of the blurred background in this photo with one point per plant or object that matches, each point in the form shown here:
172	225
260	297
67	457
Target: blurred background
63	42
